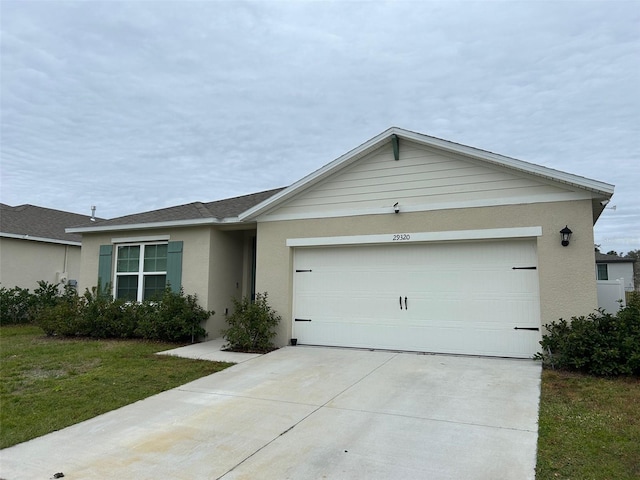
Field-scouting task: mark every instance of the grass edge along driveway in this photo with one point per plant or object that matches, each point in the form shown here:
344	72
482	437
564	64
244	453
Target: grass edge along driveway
51	383
589	428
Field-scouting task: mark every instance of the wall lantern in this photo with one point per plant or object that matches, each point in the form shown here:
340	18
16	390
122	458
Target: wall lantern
566	235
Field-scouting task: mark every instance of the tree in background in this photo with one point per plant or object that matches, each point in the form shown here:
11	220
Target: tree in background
635	254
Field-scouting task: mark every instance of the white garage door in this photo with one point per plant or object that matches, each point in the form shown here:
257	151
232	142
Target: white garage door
478	298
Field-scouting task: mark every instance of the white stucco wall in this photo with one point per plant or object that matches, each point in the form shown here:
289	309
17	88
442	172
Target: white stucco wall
566	274
212	265
24	262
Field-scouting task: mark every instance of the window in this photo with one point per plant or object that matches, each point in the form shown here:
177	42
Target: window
134	264
603	273
141	271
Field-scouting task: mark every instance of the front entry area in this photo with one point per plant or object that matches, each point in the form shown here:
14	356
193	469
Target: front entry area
469	297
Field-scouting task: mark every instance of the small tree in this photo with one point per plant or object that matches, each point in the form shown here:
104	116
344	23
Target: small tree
251	325
635	255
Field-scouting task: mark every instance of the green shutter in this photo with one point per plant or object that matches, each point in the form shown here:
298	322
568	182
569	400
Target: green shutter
174	266
104	269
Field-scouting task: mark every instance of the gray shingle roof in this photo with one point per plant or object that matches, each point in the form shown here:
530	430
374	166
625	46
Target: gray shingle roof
40	222
229	207
603	258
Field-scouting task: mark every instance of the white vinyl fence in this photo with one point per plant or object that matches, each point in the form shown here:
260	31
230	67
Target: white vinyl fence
611	295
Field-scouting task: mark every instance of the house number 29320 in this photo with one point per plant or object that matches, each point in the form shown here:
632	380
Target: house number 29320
401	236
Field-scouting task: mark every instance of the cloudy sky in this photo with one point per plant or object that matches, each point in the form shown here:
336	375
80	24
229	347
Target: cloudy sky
138	105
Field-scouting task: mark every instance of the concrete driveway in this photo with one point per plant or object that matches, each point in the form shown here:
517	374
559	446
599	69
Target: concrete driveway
311	413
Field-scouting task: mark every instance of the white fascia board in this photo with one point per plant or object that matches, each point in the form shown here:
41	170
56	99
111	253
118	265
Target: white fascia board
513	163
415	237
146	226
155	225
40	239
318	175
601	188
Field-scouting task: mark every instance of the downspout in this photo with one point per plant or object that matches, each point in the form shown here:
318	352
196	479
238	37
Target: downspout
66	254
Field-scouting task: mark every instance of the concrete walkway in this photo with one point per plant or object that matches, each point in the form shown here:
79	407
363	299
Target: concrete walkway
210	350
304	412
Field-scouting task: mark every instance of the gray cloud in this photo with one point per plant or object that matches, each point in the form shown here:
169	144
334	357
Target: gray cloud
139	105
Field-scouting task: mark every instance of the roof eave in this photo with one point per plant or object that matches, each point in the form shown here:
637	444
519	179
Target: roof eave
33	238
316	176
601	189
196	222
595	186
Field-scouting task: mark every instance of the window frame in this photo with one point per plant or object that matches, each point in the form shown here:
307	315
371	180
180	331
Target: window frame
600	271
140	273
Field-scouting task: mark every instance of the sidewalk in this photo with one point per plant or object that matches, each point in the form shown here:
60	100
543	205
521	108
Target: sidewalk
210	350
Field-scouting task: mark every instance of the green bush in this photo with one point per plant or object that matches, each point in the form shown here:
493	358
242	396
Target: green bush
175	317
252	325
64	319
47	295
103	316
599	344
19	305
15	305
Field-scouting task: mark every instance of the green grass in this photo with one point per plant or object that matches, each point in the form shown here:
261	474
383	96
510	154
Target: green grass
589	427
50	383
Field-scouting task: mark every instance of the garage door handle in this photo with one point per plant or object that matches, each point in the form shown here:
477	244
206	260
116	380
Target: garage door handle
400	302
406	307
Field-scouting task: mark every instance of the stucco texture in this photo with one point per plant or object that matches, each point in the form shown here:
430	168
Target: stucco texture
212	265
566	274
24	262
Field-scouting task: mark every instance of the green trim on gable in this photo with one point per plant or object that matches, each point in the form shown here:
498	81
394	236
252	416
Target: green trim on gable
395	142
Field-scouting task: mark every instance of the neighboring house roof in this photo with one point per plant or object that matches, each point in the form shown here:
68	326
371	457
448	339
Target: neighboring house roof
195	213
603	258
600	189
30	222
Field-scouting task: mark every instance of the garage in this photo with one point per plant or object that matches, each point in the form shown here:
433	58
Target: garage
476	297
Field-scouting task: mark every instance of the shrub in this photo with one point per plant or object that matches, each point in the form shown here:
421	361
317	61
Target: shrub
104	317
46	295
15	305
176	317
252	325
599	344
65	319
19	305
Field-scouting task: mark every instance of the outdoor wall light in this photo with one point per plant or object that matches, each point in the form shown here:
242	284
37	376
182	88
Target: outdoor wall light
396	207
565	233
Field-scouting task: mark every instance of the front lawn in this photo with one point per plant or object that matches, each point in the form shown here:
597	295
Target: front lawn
50	383
589	427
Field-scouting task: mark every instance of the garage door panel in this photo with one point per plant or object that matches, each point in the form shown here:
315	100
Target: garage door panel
461	297
447	338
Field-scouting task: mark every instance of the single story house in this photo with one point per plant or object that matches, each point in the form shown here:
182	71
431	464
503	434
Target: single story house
613	267
406	242
34	246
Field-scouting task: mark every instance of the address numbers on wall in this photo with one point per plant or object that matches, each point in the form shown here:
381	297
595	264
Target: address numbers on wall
399	237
